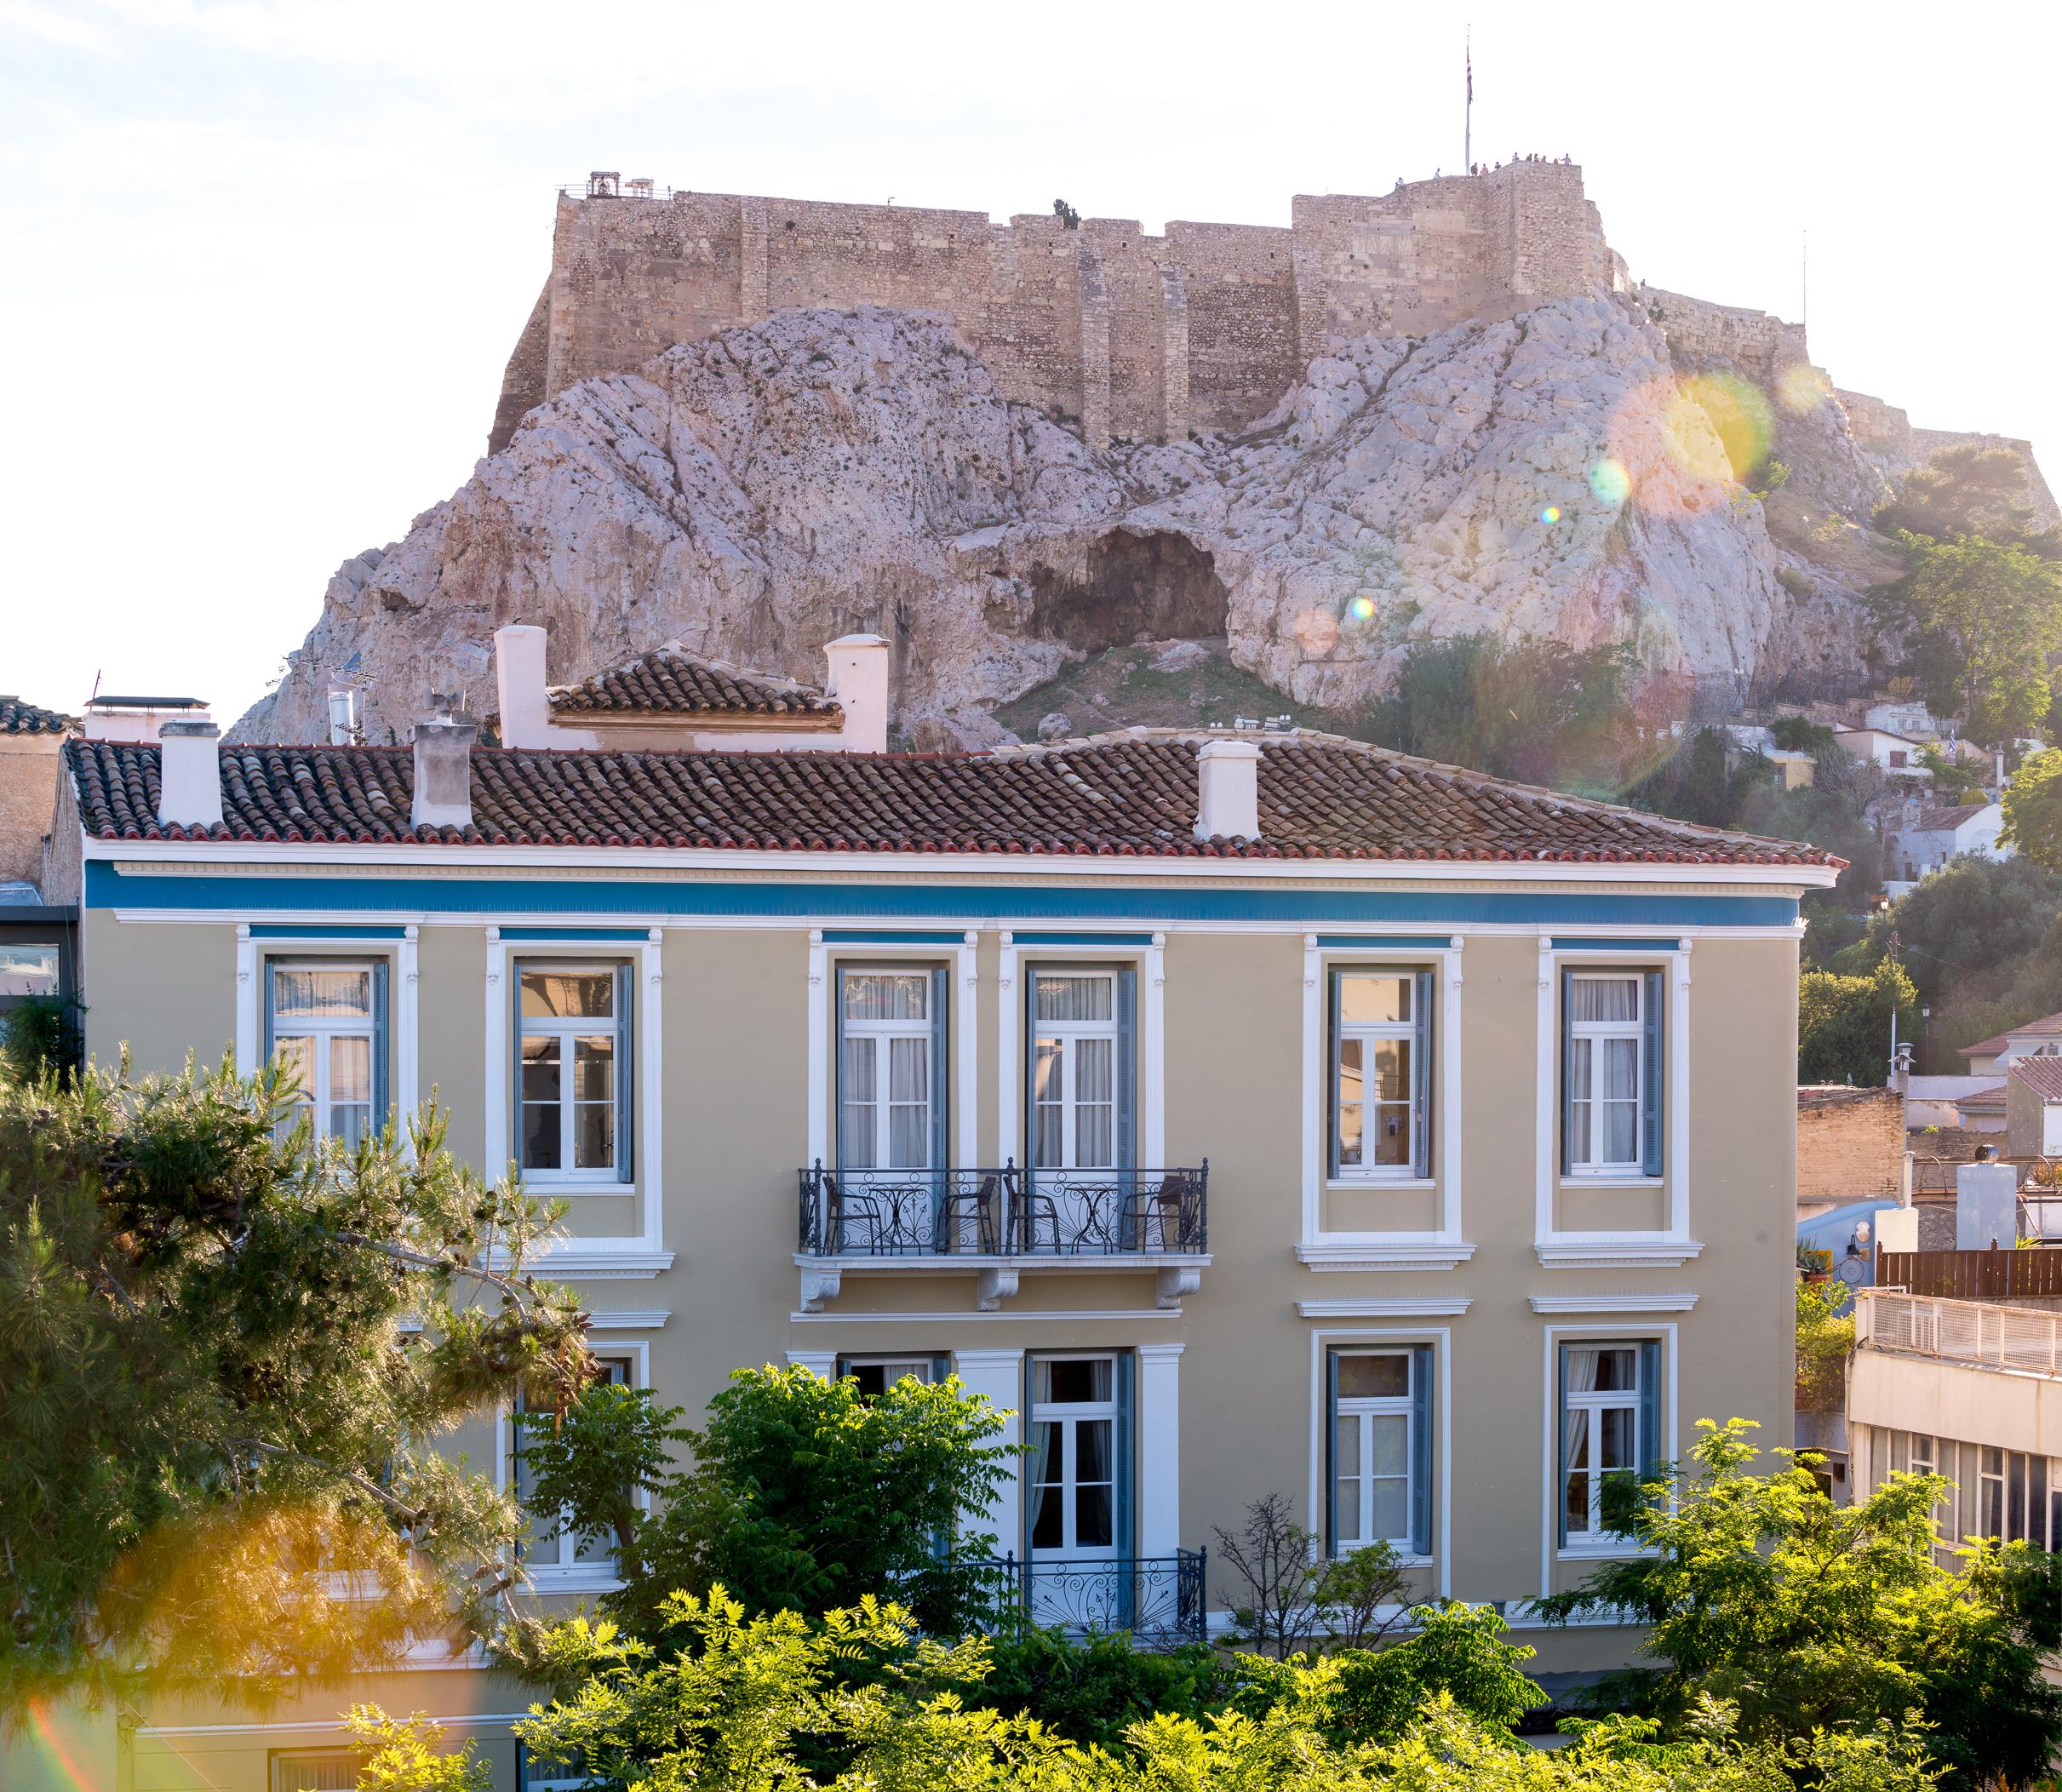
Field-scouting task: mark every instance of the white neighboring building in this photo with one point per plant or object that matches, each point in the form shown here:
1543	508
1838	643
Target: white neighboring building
1908	718
2041	1038
1897	753
1930	838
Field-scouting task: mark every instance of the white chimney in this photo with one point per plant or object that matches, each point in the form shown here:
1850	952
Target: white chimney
518	680
189	775
859	680
444	769
343	715
1228	795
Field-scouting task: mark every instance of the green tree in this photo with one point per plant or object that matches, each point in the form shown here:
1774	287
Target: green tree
213	1405
1843	1024
1795	734
1825	1340
803	1493
1983	619
1964	490
2033	803
1759	1591
1823	815
1954	780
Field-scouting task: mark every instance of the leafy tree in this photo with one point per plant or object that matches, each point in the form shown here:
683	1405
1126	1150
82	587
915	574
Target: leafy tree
1984	618
1825	1340
2033	803
1843	1024
1964	490
802	1492
1954	780
762	1704
40	1037
1822	814
1093	1690
214	1407
1758	1591
1795	734
1290	1589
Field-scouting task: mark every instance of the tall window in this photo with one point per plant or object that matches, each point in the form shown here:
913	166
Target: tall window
1610	1434
891	1067
574	1072
1611	1070
327	1024
1381	1073
1079	1462
551	1546
1381	1449
1081	1073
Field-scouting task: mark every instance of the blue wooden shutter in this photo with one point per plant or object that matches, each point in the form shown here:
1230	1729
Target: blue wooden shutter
1421	1052
1421	1449
271	1013
1331	1453
1652	1105
1650	1412
1567	1073
1127	1070
1559	1481
379	1033
512	1070
626	1107
1123	1474
940	1131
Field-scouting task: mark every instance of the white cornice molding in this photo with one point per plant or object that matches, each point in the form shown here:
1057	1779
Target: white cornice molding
1679	1301
440	858
1573	1250
1390	1253
625	1319
1397	1306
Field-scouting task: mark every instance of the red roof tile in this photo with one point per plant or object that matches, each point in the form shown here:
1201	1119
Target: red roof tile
17	717
2041	1074
670	681
1128	794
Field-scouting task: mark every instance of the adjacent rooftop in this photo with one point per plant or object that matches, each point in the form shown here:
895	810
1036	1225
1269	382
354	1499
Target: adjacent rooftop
670	681
17	717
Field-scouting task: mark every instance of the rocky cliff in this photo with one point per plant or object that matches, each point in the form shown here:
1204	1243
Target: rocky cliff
1567	473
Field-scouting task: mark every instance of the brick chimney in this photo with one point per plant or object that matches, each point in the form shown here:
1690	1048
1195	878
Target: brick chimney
1227	794
859	680
189	775
519	681
444	767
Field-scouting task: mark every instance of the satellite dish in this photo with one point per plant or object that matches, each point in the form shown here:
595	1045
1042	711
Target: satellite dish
1851	1270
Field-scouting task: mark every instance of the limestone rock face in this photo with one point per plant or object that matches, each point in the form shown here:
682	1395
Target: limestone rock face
755	494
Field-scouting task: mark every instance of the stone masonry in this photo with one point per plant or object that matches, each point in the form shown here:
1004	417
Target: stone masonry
1121	335
1850	1144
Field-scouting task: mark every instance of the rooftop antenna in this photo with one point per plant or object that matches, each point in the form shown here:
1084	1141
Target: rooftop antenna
1468	109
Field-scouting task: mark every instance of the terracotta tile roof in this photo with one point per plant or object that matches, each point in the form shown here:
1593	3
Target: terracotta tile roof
1984	1048
1133	793
1945	821
17	717
670	681
2049	1026
2043	1075
1988	1099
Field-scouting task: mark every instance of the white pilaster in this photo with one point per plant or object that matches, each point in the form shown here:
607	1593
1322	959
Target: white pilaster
1154	1047
650	1165
817	1362
1006	1026
248	1034
407	1024
1160	1449
966	989
1545	1089
1315	1074
999	1374
817	1094
1450	1092
1678	1118
496	1154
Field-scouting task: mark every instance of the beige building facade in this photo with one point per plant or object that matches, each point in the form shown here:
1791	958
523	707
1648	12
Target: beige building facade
1424	1190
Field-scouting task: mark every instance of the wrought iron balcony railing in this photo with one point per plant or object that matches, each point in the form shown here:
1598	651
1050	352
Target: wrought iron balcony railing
1159	1599
1010	1212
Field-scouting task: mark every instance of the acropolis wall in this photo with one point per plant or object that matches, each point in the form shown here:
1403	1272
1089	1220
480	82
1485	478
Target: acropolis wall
1130	337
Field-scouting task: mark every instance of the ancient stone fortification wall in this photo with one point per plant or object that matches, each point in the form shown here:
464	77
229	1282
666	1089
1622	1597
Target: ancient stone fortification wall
1708	332
1134	337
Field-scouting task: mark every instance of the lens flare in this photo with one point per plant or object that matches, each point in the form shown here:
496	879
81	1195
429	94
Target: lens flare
1802	387
1363	609
1719	427
1551	514
1610	482
60	1756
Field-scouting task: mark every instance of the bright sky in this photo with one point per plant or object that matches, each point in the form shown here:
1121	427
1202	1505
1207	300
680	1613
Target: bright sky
264	259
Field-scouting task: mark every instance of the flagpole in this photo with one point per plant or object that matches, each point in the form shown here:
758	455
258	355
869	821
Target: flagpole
1467	110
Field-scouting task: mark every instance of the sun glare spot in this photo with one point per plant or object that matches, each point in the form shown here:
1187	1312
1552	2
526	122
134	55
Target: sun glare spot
1610	482
1550	515
1363	609
1802	387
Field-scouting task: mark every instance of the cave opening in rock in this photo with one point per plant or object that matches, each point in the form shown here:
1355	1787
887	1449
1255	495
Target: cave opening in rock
1157	586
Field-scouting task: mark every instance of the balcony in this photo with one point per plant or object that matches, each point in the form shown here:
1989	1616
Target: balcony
995	1224
1972	1334
1157	1599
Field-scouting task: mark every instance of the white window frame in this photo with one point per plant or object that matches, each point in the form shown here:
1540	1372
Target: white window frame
1365	1408
325	1032
351	1758
1067	1413
1325	1339
1595	1034
882	1032
1067	1035
1419	1109
1595	1403
565	1029
575	1576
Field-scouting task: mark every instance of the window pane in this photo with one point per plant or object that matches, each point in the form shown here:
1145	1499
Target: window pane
569	994
295	1053
1092	1526
1389	1444
886	995
1621	1132
349	1122
26	970
1092	1450
1374	1000
1349	1112
1575	1502
350	1069
594	1136
1077	1381
1075	998
540	1069
1616	1371
909	1070
540	1135
857	1147
1346	1445
1095	1137
1604	999
1621	1070
1346	1510
594	1068
1392	1069
1094	1063
1615	1430
321	995
1389	1498
1367	1376
1049	1518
